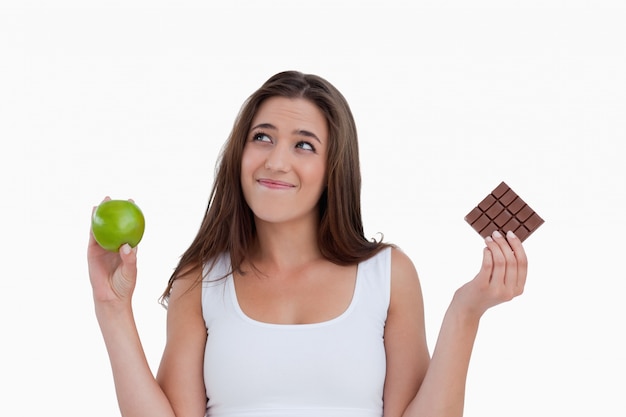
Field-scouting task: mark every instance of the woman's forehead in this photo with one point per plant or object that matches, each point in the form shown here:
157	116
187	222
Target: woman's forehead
292	114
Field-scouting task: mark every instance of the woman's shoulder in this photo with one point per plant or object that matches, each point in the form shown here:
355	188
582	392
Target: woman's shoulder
401	262
394	263
218	266
404	276
184	296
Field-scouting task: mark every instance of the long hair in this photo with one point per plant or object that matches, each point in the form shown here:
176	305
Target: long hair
228	225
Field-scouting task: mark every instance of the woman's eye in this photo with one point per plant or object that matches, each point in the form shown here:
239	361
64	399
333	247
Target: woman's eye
261	137
306	146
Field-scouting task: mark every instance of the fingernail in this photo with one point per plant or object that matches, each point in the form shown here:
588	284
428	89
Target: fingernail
510	234
488	239
125	249
496	234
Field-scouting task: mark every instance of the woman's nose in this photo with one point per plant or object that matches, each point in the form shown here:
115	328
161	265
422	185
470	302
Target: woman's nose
278	159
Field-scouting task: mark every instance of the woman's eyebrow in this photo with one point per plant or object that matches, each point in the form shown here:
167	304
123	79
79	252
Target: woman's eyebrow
264	126
300	132
307	134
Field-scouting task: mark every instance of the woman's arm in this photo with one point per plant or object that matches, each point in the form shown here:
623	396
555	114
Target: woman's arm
180	373
113	277
405	337
502	277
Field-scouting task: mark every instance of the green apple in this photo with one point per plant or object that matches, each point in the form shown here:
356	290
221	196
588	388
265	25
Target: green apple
116	222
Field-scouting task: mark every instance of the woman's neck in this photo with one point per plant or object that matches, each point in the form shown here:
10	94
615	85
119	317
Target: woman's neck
286	245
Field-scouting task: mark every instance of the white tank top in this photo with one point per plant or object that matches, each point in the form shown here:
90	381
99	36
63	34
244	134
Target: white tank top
334	368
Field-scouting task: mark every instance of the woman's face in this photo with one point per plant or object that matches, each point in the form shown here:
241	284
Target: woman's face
283	169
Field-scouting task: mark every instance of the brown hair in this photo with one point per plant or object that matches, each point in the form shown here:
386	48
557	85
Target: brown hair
228	224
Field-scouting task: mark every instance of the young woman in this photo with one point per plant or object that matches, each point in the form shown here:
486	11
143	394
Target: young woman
281	306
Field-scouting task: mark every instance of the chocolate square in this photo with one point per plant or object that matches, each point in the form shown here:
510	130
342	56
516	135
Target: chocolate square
504	210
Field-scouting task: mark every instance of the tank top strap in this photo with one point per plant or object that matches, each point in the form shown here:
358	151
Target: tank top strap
374	290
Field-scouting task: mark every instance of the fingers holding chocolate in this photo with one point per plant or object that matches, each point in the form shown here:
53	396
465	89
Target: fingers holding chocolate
504	275
503	210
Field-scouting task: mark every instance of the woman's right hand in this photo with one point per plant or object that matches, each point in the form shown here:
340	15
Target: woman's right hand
112	274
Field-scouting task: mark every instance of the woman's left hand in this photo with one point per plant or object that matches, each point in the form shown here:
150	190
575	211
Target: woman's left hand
501	278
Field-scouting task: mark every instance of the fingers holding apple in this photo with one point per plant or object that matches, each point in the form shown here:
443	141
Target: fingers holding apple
116	222
117	227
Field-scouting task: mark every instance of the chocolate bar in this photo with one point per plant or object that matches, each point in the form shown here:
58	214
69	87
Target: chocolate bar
504	210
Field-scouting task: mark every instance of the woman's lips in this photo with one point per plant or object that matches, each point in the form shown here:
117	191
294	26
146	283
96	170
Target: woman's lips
274	184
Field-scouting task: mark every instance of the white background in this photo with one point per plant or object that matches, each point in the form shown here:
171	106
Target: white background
133	99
